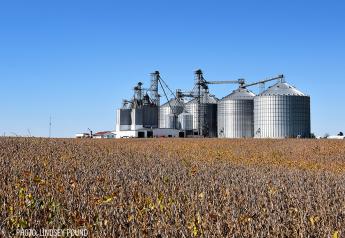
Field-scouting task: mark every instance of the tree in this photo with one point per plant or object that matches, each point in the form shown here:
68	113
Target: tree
341	134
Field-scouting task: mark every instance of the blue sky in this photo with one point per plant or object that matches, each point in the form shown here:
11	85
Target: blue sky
76	60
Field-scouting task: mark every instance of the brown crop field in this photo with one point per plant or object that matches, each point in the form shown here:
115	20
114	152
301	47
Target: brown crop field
174	187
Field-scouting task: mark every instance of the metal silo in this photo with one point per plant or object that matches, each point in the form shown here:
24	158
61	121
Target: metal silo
150	116
282	111
192	108
236	114
123	119
208	114
171	121
172	107
185	121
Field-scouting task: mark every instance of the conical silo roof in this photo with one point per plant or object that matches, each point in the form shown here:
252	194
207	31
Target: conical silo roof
173	102
240	93
282	89
210	99
206	99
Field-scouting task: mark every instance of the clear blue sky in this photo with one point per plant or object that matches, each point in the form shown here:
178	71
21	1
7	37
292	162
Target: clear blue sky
76	60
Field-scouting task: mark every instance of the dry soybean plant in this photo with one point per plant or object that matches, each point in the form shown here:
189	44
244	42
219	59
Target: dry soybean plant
174	187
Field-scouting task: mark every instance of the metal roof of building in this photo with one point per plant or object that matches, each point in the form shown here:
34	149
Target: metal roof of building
102	133
282	89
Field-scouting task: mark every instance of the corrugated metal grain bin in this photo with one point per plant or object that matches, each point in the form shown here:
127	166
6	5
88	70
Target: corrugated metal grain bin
236	114
123	119
208	112
282	111
175	106
185	121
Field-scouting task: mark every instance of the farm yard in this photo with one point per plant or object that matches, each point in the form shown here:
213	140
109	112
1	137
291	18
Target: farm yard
174	187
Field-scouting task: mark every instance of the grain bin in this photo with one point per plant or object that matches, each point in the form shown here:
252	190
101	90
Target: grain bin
171	121
282	111
236	114
174	106
185	121
123	119
144	117
150	116
208	114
